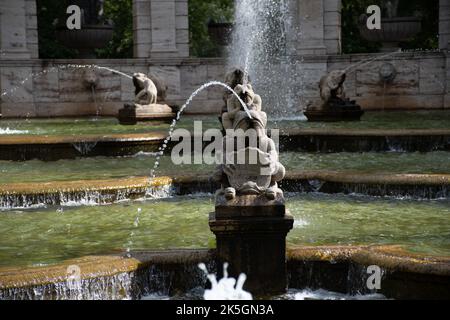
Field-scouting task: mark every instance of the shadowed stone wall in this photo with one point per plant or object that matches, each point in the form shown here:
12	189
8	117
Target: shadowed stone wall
319	25
161	47
161	28
62	92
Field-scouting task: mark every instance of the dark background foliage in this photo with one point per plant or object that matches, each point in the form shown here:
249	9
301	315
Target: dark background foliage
51	13
352	42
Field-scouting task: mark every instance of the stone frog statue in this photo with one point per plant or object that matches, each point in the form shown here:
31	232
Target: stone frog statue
146	91
331	88
248	96
259	177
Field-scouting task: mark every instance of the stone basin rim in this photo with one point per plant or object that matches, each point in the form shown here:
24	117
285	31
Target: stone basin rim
389	257
145	181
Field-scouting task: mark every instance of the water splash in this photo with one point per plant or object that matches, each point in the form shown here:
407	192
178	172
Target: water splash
130	237
226	288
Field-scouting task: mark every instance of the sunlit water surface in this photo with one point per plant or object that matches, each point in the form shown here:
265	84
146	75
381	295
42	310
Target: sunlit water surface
430	119
51	235
141	164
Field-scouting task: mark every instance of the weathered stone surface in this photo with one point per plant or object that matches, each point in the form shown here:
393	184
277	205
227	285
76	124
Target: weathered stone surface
249	206
406	81
161	28
183	76
18	86
13	30
172	77
46	85
432	76
72	88
245	243
444	24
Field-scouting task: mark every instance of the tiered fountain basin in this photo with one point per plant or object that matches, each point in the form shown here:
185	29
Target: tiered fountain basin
25	147
99	192
101	180
72	138
173	274
357	208
47	235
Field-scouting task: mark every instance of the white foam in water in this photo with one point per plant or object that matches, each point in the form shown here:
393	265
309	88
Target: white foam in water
321	294
226	288
12	131
300	117
300	223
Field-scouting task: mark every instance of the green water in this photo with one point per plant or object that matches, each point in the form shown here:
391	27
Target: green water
140	165
433	119
49	235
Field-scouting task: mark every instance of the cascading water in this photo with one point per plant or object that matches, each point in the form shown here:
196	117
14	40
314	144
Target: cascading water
261	45
180	112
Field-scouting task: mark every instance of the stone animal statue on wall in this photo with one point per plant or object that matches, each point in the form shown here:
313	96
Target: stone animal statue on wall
146	91
331	88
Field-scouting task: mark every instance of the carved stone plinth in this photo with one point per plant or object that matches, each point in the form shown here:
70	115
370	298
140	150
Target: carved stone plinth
251	236
132	114
341	112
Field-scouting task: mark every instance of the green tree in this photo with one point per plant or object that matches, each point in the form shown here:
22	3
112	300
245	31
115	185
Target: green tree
120	13
202	12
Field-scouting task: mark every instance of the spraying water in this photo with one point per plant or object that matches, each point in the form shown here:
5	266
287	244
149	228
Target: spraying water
261	46
177	118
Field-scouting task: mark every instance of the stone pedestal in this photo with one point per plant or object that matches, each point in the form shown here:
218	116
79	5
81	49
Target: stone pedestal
131	114
251	236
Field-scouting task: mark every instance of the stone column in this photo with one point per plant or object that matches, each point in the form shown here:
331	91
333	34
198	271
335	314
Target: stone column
319	24
447	94
251	236
161	28
332	26
18	29
444	42
444	24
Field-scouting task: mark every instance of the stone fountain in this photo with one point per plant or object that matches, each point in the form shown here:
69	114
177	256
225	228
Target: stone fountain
149	103
334	105
250	219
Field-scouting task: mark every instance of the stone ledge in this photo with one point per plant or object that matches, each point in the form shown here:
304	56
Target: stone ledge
324	261
428	186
